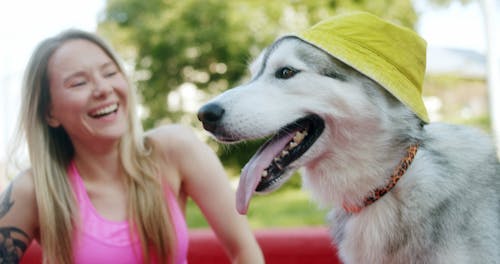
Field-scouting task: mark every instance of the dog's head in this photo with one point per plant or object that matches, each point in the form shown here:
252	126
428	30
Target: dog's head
312	106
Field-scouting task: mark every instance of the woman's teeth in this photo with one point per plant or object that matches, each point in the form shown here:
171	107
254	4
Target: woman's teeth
105	111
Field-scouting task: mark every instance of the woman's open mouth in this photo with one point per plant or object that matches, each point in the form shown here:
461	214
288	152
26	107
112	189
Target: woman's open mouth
104	111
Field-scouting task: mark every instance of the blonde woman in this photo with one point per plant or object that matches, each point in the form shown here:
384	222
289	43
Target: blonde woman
99	189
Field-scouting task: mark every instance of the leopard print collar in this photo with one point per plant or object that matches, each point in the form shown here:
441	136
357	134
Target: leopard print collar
398	173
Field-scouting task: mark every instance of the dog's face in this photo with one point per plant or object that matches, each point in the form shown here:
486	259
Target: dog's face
312	106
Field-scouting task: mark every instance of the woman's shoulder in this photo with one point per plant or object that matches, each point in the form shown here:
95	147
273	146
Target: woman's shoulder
24	184
175	139
171	131
171	134
18	203
21	188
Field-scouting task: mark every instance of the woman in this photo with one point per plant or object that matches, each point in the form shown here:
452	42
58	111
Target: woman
99	189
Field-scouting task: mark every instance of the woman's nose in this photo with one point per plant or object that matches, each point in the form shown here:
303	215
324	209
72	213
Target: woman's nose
101	87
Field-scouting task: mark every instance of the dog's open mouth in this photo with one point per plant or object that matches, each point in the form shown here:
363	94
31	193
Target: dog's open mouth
266	168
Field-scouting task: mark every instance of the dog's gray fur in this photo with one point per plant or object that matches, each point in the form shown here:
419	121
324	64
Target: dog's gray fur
445	209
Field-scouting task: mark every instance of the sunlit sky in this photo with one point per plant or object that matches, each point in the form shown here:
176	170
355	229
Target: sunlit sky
455	26
23	23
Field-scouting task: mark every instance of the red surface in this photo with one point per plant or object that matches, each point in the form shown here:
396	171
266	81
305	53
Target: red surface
297	245
33	254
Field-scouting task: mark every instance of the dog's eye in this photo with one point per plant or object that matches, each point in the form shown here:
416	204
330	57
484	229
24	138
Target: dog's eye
285	73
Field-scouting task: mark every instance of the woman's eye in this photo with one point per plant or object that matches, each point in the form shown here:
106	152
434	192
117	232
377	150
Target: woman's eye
77	83
285	73
110	74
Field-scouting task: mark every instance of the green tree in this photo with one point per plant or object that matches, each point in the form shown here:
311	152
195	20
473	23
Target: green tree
202	47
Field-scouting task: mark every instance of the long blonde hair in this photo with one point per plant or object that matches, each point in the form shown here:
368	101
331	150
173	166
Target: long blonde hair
50	152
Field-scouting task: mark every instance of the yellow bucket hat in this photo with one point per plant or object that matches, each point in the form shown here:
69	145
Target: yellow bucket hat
391	55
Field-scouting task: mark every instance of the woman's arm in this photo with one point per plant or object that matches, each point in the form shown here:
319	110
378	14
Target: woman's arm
18	218
205	181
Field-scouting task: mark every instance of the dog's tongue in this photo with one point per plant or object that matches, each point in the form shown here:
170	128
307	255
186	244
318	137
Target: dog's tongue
252	172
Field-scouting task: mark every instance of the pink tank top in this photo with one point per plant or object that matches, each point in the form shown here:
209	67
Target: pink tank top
105	241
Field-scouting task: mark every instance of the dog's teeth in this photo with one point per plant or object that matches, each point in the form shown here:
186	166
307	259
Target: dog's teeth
279	166
293	145
299	136
284	153
277	159
265	174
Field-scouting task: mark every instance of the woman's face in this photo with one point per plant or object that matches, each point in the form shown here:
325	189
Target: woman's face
88	93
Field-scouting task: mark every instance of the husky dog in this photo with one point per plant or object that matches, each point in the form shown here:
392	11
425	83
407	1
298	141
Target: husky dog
400	190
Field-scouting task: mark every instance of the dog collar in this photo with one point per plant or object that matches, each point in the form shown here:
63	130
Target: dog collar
399	171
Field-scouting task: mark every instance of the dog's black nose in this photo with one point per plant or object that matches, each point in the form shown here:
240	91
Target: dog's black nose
210	115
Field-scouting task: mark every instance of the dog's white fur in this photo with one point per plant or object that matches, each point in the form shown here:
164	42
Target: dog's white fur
445	209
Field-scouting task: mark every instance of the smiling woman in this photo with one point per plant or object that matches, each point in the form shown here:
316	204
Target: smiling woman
100	190
80	70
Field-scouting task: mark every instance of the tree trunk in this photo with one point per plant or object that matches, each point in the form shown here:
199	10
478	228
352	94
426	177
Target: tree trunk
493	68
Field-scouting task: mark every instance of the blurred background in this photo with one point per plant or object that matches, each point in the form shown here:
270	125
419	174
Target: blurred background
182	53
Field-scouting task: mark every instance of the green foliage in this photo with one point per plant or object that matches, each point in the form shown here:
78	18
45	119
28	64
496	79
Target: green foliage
285	208
483	122
175	42
462	100
445	3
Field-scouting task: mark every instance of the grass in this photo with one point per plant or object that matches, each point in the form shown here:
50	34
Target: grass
290	207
